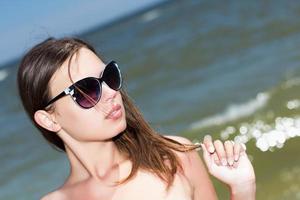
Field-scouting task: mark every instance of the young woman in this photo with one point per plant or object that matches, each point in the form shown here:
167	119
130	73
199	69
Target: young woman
78	103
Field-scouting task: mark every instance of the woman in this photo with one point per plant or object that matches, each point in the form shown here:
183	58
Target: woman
112	150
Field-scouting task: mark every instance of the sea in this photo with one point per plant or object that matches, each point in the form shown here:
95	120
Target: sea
230	69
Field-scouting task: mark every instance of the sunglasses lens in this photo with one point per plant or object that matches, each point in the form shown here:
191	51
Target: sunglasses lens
112	76
87	92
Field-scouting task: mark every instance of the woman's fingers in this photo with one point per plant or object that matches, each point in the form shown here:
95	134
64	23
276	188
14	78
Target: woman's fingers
209	144
216	158
220	152
210	149
229	151
237	149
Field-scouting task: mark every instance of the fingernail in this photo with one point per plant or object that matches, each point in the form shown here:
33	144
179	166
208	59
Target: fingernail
211	149
230	161
224	162
236	157
208	136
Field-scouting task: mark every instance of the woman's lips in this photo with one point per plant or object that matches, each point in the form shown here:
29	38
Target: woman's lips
115	112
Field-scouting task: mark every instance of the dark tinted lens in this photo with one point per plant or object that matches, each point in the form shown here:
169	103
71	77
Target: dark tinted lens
87	92
112	76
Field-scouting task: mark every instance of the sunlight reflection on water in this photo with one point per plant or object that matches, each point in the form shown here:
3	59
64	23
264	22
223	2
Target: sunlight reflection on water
266	136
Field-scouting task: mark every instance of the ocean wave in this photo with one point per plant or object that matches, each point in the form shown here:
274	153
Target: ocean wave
3	74
234	112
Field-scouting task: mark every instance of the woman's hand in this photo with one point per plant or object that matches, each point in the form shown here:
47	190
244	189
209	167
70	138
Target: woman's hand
229	163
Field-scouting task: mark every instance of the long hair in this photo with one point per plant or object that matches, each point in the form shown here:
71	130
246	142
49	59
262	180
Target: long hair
146	148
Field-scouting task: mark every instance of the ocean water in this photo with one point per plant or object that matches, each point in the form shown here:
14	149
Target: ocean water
230	69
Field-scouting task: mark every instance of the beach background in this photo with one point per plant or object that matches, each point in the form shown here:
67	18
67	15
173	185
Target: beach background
226	68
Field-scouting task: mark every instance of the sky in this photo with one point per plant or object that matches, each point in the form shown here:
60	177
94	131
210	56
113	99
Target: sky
23	23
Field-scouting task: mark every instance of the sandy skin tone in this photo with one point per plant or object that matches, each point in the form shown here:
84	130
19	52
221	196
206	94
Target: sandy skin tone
95	162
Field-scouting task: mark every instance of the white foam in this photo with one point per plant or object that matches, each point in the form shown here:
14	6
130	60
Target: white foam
3	74
150	15
234	112
293	104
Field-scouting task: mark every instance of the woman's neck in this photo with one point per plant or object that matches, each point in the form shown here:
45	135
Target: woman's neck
97	160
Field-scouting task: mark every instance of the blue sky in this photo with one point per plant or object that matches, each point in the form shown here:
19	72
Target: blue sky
25	22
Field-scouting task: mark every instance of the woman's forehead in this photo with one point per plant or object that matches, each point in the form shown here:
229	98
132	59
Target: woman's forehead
83	64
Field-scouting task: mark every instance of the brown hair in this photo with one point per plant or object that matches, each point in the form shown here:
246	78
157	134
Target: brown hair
146	148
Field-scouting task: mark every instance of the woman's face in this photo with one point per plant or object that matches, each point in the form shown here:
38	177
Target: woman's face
86	124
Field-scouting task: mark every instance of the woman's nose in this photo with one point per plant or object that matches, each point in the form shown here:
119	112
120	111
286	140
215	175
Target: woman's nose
107	93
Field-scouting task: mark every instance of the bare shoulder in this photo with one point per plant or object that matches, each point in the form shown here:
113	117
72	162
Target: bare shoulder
55	195
189	158
184	157
195	171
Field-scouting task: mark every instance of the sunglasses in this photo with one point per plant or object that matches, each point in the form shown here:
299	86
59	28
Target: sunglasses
87	92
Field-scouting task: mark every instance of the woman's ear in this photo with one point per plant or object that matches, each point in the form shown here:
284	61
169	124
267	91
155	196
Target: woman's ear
45	120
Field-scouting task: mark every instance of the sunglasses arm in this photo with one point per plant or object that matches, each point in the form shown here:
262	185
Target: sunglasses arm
67	91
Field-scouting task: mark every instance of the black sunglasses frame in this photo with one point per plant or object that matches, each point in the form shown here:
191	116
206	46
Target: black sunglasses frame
70	90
